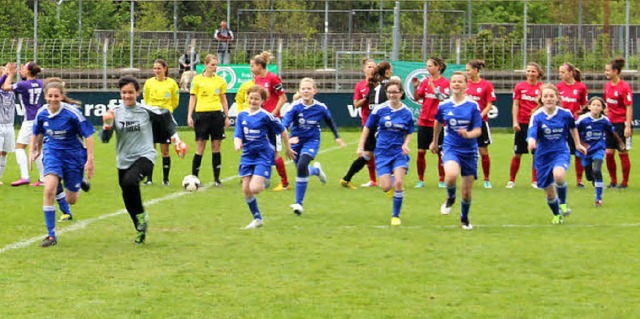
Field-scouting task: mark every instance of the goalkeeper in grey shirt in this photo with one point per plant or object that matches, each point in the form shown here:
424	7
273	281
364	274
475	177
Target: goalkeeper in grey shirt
136	125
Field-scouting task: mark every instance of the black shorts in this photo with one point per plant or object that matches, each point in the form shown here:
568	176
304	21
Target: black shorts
611	141
370	143
485	137
425	137
209	125
520	145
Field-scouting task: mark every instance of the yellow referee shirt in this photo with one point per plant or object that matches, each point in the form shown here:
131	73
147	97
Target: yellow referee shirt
242	97
207	91
163	94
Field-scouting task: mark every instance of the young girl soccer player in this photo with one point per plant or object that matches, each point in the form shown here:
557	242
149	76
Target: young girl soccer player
394	123
432	90
548	134
481	91
137	126
462	120
65	156
304	118
162	91
254	129
593	127
619	98
525	101
573	97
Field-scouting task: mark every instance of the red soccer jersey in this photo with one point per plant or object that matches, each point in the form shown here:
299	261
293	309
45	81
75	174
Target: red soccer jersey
573	96
483	93
361	90
527	97
429	100
618	97
274	86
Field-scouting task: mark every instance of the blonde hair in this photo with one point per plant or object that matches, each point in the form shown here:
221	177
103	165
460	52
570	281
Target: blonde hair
262	59
548	86
58	83
309	80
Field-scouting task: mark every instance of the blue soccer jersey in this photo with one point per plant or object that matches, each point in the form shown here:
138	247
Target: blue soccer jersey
593	132
255	130
392	125
63	130
304	120
551	131
456	116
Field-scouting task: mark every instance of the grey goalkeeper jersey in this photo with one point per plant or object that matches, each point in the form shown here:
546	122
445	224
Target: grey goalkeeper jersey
136	129
7	107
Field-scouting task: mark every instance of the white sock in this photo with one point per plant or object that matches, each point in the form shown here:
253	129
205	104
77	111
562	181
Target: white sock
3	164
21	158
40	166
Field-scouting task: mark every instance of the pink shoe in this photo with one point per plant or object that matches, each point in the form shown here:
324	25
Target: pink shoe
20	182
36	184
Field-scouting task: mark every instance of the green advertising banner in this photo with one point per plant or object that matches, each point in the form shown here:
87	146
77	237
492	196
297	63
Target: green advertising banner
235	74
409	70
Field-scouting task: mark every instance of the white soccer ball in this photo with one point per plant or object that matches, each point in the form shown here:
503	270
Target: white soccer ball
190	183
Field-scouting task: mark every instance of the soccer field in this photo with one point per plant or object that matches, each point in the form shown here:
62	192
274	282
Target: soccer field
340	259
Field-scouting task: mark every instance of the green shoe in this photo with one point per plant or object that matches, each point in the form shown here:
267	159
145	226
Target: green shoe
565	210
141	233
557	220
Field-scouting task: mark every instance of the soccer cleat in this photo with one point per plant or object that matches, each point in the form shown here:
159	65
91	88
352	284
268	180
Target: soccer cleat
217	183
534	184
395	221
511	184
20	182
36	184
444	209
369	184
390	193
297	209
141	233
347	184
487	184
85	185
49	241
565	210
464	221
442	185
65	217
623	186
148	183
280	188
611	185
165	183
256	223
598	203
557	220
420	184
580	185
321	175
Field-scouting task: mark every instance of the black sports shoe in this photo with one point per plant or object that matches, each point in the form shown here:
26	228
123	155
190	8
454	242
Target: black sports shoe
217	183
622	186
48	241
85	185
580	185
612	185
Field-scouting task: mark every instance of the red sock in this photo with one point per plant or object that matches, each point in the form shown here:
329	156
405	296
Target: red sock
515	166
611	167
486	164
626	167
282	171
579	170
421	164
534	174
440	168
371	165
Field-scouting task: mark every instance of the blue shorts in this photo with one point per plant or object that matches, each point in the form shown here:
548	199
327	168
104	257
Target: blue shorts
545	165
307	147
468	162
68	165
385	165
263	170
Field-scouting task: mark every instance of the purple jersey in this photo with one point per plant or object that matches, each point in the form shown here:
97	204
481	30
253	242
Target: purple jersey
29	93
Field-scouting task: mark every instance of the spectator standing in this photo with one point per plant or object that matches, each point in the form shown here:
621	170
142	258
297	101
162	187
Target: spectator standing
224	36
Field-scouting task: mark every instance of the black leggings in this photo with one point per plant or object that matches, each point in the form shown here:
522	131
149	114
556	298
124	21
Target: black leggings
593	171
129	180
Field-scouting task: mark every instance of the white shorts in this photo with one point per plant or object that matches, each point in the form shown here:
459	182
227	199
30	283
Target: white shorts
26	130
278	143
7	138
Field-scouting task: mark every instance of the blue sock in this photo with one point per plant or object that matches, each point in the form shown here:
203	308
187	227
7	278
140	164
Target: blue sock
62	203
313	171
253	207
466	206
562	192
554	205
301	189
599	186
398	196
451	195
50	219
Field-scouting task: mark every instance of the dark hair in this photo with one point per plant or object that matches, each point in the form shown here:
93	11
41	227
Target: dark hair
617	64
379	73
395	82
576	72
477	64
58	83
262	59
127	79
164	65
260	90
586	109
538	68
440	63
33	68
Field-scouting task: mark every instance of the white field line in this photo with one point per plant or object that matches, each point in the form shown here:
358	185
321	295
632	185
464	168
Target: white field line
84	223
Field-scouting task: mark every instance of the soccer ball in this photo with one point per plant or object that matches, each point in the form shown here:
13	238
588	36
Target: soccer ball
190	183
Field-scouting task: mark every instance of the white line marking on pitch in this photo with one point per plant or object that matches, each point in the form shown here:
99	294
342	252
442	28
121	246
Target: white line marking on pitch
84	223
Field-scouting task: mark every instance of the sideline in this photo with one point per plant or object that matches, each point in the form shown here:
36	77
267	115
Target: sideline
81	224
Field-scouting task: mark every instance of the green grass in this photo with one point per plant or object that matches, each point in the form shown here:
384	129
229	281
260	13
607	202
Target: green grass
339	260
